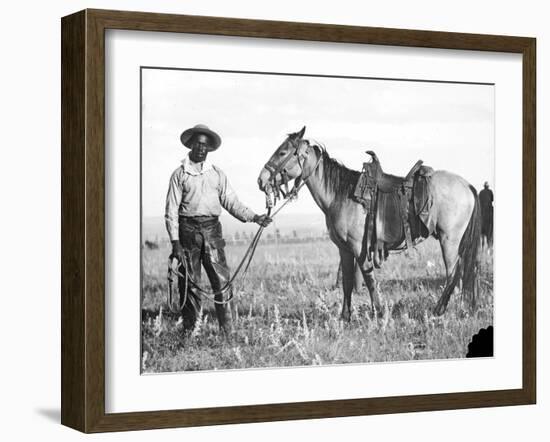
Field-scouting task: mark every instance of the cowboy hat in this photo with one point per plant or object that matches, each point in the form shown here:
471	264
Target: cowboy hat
188	134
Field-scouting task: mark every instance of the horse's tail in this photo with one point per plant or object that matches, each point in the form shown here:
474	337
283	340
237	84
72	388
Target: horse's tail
468	260
468	251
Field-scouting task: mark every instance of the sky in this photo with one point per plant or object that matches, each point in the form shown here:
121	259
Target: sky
449	126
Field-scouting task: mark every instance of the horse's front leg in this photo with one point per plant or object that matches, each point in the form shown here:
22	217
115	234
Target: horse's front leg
348	279
368	274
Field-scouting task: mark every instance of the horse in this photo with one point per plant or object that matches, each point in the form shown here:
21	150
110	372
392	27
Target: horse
455	210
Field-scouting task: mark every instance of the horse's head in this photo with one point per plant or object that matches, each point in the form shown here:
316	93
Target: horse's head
286	162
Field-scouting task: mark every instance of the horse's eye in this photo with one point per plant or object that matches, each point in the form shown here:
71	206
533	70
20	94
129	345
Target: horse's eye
282	154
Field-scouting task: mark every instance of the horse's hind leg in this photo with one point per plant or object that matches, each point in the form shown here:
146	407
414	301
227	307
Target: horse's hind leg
449	249
348	279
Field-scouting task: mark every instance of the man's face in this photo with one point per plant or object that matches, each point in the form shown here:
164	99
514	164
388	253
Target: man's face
199	147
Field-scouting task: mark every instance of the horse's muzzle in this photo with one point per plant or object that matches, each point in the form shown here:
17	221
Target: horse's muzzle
263	179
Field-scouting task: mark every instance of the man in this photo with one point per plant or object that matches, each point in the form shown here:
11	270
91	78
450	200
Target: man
486	205
196	193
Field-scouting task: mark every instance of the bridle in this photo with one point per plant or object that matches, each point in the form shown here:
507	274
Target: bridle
274	190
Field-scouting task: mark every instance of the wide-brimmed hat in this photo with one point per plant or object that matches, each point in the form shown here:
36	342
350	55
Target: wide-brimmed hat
188	134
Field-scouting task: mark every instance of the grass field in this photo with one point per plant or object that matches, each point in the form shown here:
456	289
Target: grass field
286	313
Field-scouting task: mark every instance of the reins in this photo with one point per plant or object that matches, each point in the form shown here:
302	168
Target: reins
174	271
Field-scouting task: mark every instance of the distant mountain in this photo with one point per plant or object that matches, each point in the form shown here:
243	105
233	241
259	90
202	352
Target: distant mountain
304	224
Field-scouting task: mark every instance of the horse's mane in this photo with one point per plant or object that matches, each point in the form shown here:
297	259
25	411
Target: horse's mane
337	177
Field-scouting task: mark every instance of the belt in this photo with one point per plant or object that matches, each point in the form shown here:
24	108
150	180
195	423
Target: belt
198	220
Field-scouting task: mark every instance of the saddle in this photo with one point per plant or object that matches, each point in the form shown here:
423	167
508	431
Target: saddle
398	208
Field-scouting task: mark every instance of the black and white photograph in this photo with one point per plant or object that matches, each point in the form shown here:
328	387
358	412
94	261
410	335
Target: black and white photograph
292	220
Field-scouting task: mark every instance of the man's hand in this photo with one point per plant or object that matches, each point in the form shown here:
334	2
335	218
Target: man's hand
177	251
262	220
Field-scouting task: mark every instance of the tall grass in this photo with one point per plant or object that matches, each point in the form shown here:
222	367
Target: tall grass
286	313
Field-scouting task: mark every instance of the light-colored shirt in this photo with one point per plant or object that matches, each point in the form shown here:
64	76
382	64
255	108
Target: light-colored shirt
200	191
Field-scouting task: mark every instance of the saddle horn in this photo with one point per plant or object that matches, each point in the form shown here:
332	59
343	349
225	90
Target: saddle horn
372	154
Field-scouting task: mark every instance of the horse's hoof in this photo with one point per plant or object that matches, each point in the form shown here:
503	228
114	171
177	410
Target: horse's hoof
345	318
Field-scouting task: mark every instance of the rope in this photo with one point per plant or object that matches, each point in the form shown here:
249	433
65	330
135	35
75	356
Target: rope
210	294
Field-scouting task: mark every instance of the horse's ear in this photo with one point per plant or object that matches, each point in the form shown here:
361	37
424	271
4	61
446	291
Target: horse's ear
300	134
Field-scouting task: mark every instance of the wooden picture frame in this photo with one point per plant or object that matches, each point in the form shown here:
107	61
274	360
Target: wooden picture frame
83	220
